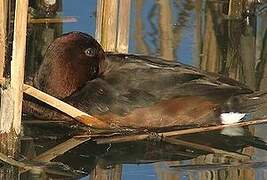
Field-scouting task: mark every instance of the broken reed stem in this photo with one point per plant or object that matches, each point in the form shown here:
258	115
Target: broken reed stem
123	26
18	61
217	166
57	150
166	29
64	107
12	162
120	139
53	20
2	81
60	149
112	24
106	23
204	148
27	166
3	34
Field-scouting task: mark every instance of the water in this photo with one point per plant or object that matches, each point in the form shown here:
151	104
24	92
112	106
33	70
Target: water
202	36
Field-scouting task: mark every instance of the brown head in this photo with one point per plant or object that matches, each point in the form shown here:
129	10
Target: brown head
69	62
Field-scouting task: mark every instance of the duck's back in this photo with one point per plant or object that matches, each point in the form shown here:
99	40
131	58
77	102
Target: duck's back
165	78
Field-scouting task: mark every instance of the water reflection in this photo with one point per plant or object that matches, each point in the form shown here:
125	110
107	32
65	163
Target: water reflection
101	160
195	32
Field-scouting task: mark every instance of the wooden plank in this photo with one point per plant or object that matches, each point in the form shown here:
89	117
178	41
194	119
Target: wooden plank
64	107
18	60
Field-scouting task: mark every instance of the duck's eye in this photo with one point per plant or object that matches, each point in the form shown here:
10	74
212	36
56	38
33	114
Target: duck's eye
90	52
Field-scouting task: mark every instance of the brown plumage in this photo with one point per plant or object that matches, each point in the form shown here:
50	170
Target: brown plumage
131	90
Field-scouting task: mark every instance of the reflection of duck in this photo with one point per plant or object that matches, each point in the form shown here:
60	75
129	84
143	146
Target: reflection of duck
131	90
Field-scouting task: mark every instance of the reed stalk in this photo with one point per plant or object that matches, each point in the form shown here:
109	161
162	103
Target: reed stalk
18	60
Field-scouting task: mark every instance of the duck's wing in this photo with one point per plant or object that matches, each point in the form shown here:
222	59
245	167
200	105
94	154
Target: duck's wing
136	108
99	97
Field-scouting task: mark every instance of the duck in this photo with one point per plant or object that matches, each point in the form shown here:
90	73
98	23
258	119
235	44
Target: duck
129	90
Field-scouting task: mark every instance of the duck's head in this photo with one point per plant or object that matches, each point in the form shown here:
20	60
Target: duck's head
69	62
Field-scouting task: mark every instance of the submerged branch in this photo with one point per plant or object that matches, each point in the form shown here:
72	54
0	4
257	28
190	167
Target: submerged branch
205	148
58	150
27	166
15	163
218	166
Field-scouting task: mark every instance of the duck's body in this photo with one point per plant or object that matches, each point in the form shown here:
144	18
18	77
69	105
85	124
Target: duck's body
133	90
142	91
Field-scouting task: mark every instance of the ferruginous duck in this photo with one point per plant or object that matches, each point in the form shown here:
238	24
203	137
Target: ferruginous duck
133	91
